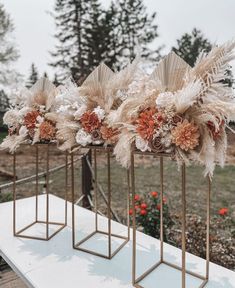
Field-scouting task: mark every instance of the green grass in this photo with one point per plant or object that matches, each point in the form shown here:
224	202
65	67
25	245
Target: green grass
2	136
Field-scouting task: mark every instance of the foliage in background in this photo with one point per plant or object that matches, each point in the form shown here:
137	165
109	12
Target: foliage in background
147	209
33	77
189	47
8	51
5	197
88	34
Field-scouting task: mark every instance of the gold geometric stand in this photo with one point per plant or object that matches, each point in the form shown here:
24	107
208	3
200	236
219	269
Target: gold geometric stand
47	223
77	245
136	281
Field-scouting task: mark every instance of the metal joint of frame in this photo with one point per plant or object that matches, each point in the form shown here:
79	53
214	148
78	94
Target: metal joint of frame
46	222
136	280
77	245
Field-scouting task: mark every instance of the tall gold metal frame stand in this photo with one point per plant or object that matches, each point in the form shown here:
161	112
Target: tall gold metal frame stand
77	245
47	222
136	281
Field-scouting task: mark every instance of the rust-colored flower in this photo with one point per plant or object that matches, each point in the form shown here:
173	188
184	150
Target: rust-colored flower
156	145
223	211
186	135
146	123
47	131
109	134
30	119
90	121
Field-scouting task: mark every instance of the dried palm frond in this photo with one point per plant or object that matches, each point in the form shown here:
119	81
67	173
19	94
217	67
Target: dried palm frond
96	88
43	93
13	142
171	72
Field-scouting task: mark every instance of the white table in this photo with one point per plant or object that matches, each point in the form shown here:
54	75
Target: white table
55	264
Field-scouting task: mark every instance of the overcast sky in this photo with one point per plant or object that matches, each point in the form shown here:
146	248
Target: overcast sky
34	27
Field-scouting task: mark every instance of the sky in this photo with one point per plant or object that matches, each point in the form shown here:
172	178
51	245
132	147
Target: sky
34	26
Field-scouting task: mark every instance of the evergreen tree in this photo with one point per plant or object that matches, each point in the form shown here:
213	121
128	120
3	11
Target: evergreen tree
137	30
189	46
45	75
33	77
56	81
70	55
8	52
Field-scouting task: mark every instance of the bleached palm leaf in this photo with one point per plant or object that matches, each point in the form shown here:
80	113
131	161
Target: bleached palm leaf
42	93
96	87
171	72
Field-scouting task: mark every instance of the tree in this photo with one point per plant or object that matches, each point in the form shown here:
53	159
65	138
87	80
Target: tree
138	30
189	46
33	77
8	55
56	81
88	34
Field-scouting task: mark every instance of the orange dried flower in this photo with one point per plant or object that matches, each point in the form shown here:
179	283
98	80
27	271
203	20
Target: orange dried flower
47	131
90	121
146	123
30	119
109	134
186	135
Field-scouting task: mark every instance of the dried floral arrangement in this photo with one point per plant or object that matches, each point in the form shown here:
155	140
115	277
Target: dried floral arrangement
180	110
30	118
84	110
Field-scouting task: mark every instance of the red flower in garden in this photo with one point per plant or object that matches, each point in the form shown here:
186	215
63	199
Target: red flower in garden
159	207
164	200
143	212
137	197
143	206
223	211
154	194
130	212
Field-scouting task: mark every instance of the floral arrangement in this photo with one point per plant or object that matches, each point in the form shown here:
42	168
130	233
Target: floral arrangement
29	120
180	110
85	109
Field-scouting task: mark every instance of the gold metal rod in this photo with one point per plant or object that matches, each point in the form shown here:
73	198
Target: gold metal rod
187	271
56	232
66	187
85	239
96	191
146	273
14	193
128	203
112	234
47	194
132	167
73	214
25	228
36	217
203	284
119	248
161	210
51	223
109	204
208	228
183	225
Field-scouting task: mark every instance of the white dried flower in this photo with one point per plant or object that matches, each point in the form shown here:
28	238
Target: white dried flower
23	131
165	99
141	144
40	119
83	138
99	112
12	117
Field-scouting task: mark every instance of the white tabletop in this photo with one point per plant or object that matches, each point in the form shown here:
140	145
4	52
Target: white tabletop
54	264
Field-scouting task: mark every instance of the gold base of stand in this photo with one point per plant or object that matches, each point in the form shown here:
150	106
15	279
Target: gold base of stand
77	245
135	280
46	238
